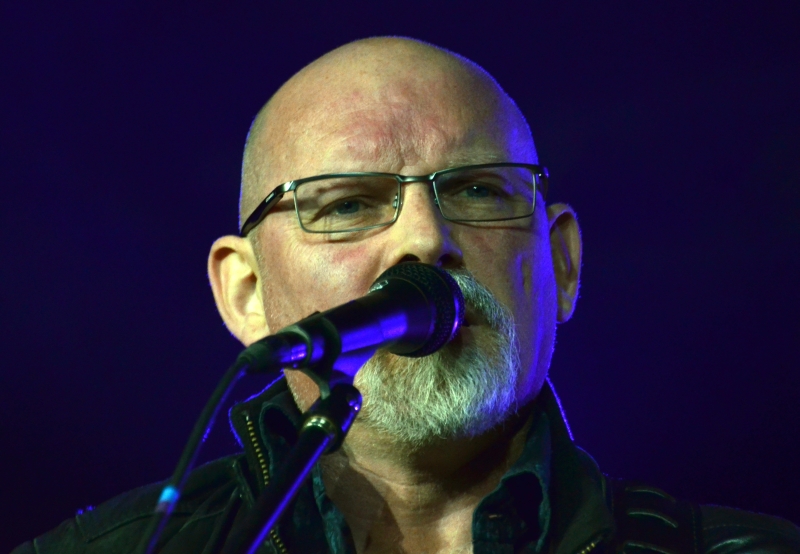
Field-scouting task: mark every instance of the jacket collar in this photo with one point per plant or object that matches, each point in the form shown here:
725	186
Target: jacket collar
580	514
574	512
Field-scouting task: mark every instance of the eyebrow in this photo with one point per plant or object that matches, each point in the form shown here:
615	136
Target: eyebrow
471	160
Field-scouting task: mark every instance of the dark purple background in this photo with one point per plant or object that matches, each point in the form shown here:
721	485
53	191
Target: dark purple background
674	130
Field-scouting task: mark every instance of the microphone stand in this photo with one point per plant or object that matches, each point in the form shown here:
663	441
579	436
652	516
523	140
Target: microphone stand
324	428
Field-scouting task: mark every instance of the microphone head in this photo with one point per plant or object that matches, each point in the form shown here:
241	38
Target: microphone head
443	295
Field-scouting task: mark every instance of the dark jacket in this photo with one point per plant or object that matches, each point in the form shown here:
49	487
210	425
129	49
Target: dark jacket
554	499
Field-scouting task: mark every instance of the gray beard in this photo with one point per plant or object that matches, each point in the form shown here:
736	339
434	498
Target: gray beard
463	390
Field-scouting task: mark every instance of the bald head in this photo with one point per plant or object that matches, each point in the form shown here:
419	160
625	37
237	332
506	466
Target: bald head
388	103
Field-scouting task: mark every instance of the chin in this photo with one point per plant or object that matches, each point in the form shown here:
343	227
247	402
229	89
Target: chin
461	391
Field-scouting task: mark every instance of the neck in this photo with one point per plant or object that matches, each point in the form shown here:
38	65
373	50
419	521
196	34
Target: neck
420	498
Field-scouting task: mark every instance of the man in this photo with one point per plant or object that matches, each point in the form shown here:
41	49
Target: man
462	451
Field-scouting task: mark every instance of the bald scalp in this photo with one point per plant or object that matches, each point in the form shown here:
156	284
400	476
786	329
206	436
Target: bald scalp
392	87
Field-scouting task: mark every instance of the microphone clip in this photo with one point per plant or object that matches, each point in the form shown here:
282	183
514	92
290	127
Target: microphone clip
323	347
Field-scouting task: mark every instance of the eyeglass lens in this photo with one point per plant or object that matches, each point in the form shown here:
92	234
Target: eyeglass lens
357	202
486	194
346	203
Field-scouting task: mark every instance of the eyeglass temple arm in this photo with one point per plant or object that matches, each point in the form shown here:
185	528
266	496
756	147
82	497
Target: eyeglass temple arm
544	180
264	207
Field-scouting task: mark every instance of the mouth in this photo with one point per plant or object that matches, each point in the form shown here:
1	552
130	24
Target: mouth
471	317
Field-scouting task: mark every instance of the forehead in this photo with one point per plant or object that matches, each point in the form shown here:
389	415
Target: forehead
409	121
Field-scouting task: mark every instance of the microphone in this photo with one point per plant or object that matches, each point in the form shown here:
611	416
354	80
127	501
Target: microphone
412	309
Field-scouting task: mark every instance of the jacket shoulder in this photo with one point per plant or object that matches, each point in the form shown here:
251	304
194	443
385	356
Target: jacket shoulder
731	531
647	516
117	524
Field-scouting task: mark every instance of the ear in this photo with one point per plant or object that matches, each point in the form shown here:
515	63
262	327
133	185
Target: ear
236	284
566	249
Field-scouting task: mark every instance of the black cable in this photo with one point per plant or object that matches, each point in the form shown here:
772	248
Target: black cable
255	359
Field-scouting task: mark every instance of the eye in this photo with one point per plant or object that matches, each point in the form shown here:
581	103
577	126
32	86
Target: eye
477	191
346	207
480	191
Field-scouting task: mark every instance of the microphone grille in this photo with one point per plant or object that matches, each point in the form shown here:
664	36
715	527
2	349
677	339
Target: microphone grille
444	294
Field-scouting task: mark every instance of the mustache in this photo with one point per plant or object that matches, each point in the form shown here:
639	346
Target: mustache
482	302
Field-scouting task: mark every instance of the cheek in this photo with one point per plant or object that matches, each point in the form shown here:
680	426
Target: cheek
505	260
517	268
340	272
302	278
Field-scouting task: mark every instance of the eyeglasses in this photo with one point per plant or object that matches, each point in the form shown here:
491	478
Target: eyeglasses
348	202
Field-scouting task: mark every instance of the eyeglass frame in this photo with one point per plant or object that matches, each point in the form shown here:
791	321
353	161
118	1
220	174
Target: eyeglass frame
540	184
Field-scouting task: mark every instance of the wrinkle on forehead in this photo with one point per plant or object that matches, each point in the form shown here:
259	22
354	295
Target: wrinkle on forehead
381	103
393	130
395	122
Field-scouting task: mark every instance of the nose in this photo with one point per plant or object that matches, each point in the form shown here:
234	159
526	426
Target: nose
420	233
